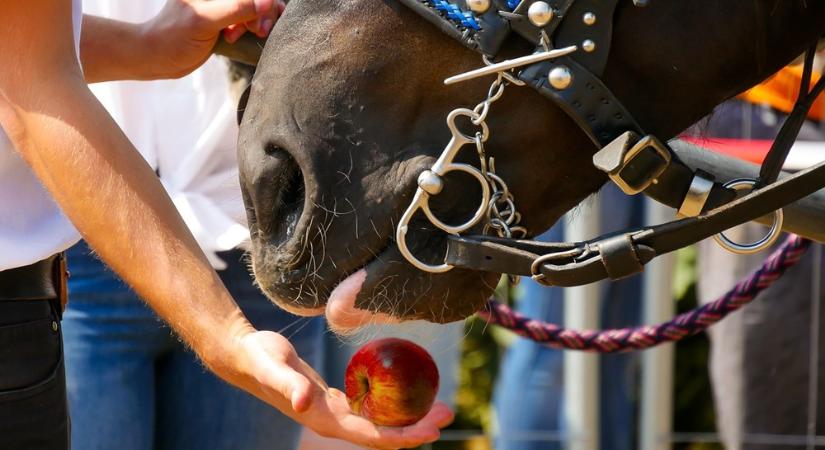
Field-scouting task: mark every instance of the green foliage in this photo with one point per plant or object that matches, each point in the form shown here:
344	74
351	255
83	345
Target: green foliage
479	366
692	392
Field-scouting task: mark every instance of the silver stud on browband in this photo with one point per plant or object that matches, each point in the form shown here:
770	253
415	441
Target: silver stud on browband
540	14
560	77
478	6
589	18
588	46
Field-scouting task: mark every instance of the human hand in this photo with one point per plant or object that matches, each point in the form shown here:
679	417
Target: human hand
183	33
268	367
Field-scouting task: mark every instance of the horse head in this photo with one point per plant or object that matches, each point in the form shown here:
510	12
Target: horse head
348	107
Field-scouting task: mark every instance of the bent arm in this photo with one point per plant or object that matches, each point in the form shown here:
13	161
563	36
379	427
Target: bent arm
173	43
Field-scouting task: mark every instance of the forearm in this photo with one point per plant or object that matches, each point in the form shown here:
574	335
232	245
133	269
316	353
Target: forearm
118	204
115	50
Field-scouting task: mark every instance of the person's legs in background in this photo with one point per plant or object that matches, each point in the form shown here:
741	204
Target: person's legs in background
111	342
760	362
200	411
621	306
529	391
33	412
133	386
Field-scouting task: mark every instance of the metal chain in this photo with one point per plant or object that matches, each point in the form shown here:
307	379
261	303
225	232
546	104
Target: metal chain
502	216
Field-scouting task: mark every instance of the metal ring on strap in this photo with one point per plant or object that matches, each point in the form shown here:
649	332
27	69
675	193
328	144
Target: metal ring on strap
763	243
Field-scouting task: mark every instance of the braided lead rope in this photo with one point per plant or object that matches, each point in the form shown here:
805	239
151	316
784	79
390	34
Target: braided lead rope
643	337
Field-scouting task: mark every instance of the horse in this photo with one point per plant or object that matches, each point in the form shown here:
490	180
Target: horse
347	108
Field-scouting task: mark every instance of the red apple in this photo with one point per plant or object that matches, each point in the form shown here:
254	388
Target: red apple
391	382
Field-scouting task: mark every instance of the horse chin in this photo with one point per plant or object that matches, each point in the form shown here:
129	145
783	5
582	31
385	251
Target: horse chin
383	289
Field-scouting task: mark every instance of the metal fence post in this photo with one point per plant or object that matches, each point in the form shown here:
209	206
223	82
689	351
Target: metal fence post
581	370
657	363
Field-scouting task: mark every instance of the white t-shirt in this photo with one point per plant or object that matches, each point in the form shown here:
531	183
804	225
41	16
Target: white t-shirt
32	227
186	129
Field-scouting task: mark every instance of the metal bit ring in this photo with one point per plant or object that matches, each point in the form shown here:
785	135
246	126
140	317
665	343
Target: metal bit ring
761	244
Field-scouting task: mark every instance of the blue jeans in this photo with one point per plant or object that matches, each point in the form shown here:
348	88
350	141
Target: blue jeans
132	385
529	391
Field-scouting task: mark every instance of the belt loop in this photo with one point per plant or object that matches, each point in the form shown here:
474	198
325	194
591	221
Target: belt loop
60	276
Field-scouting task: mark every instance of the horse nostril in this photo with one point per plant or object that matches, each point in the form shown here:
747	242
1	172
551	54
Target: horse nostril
285	191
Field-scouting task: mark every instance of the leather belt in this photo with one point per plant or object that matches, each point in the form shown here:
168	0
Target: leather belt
43	280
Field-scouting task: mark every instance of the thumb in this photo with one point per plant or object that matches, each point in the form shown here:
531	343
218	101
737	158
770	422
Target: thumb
302	392
222	13
292	385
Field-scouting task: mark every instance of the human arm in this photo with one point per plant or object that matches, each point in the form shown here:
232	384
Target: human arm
118	204
173	43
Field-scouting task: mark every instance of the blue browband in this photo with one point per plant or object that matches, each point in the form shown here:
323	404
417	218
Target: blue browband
465	19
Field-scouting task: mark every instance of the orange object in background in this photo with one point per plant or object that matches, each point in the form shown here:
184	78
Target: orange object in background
781	90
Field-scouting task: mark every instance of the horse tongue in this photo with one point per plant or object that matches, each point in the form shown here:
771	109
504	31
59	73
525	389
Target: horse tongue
342	315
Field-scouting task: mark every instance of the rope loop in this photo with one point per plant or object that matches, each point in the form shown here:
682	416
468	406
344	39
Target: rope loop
644	337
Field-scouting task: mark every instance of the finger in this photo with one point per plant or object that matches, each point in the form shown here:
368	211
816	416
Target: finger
233	32
289	384
264	23
262	26
427	430
222	13
297	388
440	415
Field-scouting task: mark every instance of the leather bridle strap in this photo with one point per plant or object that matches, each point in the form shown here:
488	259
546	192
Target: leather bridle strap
620	255
635	161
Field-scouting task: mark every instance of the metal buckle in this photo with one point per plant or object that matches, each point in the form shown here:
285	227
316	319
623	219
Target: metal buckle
696	197
648	142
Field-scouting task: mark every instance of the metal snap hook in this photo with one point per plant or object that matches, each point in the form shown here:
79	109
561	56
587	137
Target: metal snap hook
761	244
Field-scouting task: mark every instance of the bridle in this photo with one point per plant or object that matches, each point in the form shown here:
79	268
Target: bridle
572	42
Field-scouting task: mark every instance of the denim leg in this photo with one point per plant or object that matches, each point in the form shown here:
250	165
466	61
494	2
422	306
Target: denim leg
200	411
528	394
621	303
110	342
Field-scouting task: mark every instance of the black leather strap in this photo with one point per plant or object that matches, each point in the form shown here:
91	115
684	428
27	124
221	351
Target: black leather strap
33	282
781	147
587	101
584	263
574	31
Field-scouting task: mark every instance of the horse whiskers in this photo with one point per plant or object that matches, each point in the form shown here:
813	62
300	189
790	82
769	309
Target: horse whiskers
289	325
304	241
346	176
307	321
356	216
374	228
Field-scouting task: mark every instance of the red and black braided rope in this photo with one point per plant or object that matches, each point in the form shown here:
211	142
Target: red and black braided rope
643	337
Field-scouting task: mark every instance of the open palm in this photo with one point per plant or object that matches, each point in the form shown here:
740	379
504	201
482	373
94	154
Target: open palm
291	385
